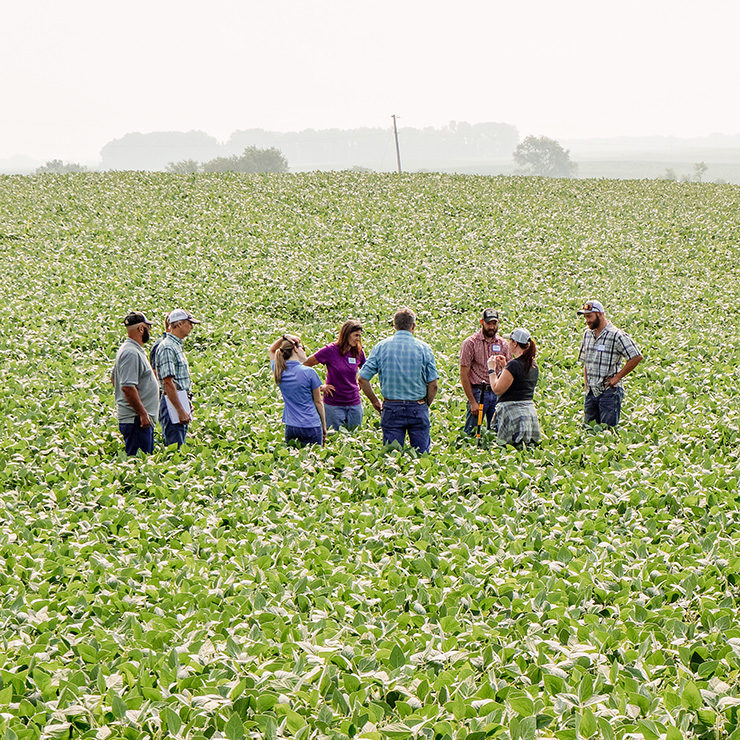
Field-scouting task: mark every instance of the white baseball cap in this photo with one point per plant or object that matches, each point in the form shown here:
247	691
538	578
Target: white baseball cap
180	314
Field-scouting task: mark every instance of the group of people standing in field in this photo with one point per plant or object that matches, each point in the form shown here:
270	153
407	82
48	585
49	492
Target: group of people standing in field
498	374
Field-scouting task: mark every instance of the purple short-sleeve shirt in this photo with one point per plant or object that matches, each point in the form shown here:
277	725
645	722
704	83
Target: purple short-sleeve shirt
341	372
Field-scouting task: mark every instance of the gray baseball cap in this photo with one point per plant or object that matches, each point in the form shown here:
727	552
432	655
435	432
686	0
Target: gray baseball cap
522	336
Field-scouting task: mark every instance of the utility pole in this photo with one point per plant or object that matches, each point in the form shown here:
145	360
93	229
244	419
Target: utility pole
398	151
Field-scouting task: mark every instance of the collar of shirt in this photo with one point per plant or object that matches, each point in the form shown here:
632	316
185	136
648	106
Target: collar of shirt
175	339
480	337
608	328
135	343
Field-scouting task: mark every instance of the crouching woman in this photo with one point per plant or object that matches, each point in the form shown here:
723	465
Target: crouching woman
516	415
303	410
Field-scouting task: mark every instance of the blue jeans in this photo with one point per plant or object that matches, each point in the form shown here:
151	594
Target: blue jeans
173	433
136	438
489	406
604	409
303	436
400	417
347	416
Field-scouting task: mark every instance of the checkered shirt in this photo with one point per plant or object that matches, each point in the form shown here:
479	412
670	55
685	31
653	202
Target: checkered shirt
171	362
516	422
404	365
475	352
602	356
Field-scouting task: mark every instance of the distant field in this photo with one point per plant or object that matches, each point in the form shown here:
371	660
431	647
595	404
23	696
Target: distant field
587	588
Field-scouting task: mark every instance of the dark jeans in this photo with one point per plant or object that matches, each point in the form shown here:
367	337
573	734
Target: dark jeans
400	417
489	406
173	433
604	409
303	436
136	438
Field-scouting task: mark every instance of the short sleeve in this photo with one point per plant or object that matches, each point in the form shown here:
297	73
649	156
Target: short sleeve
370	367
430	367
515	369
324	354
165	360
629	348
314	378
361	359
128	369
466	353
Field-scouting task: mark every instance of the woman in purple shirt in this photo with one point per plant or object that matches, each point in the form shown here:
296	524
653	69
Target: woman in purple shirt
343	359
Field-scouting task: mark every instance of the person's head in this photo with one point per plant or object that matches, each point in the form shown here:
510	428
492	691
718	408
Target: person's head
181	322
523	346
489	323
349	340
137	327
291	348
404	319
593	314
167	321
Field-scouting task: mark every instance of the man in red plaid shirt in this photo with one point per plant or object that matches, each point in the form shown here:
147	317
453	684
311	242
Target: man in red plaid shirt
474	354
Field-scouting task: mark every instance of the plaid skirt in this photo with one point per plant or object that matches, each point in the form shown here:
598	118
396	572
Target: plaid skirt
517	423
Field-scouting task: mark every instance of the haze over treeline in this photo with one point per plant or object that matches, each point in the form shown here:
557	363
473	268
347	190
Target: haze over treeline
457	144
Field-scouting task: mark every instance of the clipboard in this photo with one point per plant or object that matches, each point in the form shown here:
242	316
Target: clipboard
182	397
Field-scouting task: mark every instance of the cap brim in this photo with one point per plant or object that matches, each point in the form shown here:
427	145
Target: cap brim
193	321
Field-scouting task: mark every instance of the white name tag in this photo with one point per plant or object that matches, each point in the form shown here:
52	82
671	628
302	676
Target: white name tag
495	348
352	360
600	348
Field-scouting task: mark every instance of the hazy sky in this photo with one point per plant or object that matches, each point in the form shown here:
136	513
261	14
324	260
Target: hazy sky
78	73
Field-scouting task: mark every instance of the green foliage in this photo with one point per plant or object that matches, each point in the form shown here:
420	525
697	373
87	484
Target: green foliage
58	167
240	588
538	155
252	160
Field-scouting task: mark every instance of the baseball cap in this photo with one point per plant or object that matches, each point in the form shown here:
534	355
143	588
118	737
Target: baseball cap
591	307
520	335
136	317
490	315
180	314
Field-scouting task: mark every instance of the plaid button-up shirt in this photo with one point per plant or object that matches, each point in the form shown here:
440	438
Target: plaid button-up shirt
404	365
475	352
171	362
602	356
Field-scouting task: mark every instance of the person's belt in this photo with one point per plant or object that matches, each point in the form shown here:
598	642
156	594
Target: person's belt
398	400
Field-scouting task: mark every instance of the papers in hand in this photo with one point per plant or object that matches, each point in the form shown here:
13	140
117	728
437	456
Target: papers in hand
182	397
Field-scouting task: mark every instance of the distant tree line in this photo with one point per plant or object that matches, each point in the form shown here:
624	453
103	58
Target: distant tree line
58	167
251	160
456	144
538	155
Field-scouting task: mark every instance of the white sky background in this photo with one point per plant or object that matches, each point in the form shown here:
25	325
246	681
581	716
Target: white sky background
78	73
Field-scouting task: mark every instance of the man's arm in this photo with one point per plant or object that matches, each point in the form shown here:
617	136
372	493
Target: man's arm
170	391
585	379
627	368
432	388
134	400
468	388
367	389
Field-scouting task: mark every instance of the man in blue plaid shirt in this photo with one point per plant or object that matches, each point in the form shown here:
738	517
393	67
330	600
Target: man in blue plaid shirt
603	349
408	382
173	373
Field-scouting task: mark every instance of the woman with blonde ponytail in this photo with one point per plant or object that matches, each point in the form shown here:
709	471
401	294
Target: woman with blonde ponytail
300	386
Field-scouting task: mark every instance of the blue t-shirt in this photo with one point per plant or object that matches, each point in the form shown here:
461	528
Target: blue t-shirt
297	384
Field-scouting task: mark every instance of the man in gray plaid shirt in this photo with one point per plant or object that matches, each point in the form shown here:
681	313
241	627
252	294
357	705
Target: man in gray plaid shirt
603	348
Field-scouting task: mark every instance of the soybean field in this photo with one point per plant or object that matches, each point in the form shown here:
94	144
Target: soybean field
239	588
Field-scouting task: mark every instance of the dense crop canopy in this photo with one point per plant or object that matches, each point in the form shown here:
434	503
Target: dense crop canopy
587	588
